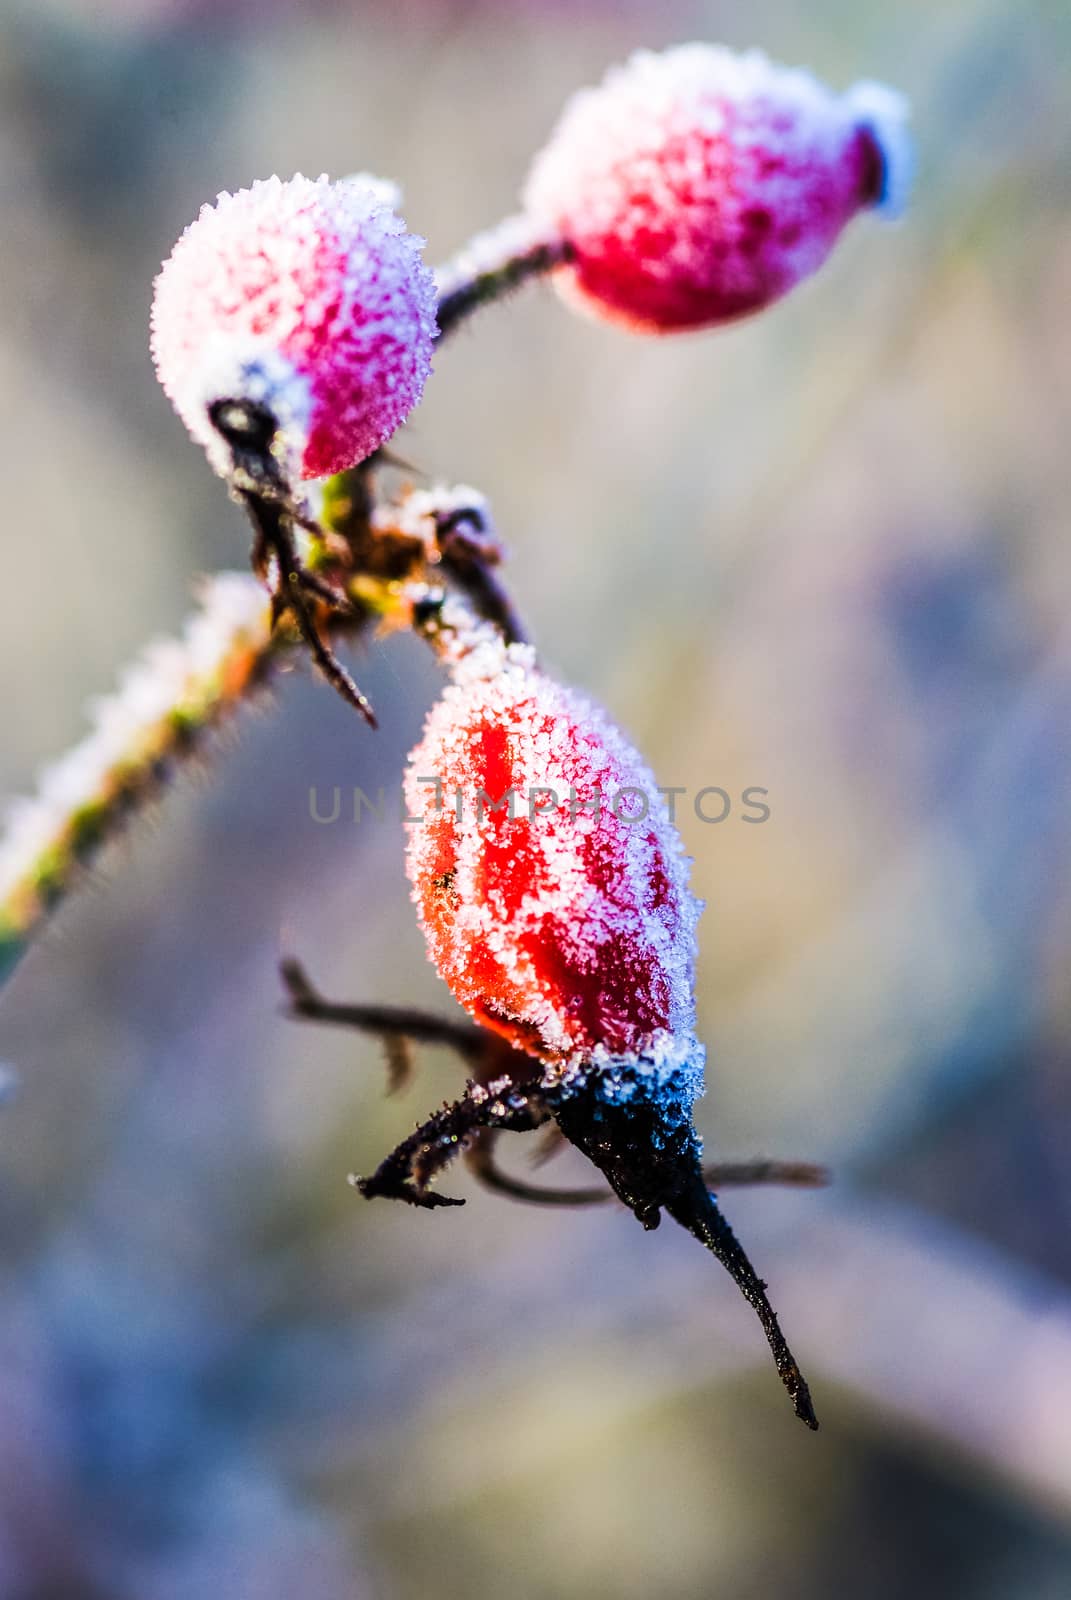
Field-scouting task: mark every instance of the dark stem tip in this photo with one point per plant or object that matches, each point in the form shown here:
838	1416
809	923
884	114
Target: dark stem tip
696	1209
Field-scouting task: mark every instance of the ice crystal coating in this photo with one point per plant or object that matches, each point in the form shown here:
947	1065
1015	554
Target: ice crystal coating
562	917
420	511
309	297
696	186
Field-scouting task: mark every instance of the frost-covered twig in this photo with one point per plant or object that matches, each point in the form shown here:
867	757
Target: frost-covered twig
176	692
493	265
391	563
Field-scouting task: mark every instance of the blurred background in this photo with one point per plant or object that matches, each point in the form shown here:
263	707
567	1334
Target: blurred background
824	553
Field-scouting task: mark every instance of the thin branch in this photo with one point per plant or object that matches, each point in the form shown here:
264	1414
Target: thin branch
307	1004
493	265
480	1158
165	703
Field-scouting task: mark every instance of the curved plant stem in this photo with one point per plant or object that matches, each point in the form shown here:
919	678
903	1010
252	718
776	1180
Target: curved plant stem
388	571
175	693
493	265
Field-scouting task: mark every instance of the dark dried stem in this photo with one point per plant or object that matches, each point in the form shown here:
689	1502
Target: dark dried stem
307	1003
471	560
272	528
720	1175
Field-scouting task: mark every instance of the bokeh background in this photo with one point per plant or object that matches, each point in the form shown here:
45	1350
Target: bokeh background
824	553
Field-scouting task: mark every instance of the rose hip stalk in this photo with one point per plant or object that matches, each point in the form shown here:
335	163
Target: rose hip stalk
553	892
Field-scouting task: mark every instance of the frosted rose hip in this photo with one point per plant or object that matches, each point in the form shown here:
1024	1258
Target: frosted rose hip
696	186
308	296
553	893
568	929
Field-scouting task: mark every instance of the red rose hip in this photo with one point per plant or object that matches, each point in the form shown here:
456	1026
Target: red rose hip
549	881
552	889
696	186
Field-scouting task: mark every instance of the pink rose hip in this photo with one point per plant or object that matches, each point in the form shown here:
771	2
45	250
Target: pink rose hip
308	297
696	186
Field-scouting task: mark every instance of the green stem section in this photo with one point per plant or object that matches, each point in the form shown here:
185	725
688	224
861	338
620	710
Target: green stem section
167	701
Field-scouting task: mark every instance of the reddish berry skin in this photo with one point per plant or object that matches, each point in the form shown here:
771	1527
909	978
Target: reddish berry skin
696	186
309	297
571	933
